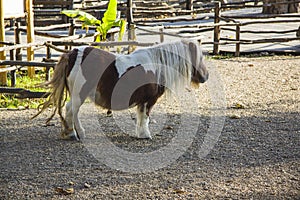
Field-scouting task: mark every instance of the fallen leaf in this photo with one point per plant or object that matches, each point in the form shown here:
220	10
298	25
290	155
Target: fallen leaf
250	65
169	127
63	191
179	191
238	106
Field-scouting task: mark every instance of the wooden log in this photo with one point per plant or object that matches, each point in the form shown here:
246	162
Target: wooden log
261	32
157	32
237	38
3	75
21	64
217	28
52	27
153	9
48	56
261	16
103	44
189	4
271	21
8	69
131	37
6	43
17	46
161	35
197	31
50	45
30	36
18	41
42	33
178	19
129	13
72	30
13	72
22	93
258	41
53	2
162	12
239	6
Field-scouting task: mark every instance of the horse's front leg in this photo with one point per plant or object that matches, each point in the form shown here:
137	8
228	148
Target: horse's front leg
142	122
76	104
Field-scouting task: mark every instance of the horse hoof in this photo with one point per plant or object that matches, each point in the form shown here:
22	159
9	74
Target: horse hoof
70	136
144	136
109	113
74	137
143	133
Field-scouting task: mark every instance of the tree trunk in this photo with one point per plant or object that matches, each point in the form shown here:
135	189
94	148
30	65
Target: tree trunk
279	7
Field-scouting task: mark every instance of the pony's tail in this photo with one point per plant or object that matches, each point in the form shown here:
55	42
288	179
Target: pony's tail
58	85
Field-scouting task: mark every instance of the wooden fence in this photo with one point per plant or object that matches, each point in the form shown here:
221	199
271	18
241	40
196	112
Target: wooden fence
231	23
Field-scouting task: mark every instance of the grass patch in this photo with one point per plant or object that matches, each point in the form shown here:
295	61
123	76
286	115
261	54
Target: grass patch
222	56
10	101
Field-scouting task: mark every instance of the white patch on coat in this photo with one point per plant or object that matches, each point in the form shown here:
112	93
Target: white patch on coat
170	62
75	82
76	68
139	57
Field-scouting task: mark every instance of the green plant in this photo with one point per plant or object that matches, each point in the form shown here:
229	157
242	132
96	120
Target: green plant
9	101
102	26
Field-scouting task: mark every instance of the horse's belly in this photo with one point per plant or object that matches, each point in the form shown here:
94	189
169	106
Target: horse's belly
107	102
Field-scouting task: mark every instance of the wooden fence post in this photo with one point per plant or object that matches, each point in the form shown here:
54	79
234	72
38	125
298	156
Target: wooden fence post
13	72
217	28
48	57
3	75
71	32
18	41
131	37
30	36
162	38
129	13
189	5
237	38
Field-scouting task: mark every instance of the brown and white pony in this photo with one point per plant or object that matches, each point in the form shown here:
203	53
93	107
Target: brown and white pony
117	82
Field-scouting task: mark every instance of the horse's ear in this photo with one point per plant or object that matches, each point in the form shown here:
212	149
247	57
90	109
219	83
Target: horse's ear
193	49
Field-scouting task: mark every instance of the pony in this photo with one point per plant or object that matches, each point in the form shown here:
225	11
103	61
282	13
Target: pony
117	82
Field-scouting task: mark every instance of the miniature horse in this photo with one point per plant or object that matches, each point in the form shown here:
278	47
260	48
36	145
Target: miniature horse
117	82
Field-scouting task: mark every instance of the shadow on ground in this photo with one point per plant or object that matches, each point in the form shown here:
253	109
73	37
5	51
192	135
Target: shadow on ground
255	156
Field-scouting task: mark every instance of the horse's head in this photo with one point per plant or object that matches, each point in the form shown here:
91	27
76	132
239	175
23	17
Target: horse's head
199	72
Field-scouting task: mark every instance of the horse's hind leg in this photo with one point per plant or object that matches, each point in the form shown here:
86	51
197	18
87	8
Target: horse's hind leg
142	122
69	131
73	127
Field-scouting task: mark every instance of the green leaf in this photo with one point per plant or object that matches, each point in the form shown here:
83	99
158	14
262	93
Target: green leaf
71	13
110	14
108	21
122	25
88	19
98	38
109	17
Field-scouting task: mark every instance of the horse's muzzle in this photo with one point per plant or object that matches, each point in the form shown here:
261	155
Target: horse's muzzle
204	78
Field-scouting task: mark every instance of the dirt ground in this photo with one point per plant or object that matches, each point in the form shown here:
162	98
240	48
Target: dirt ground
257	155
